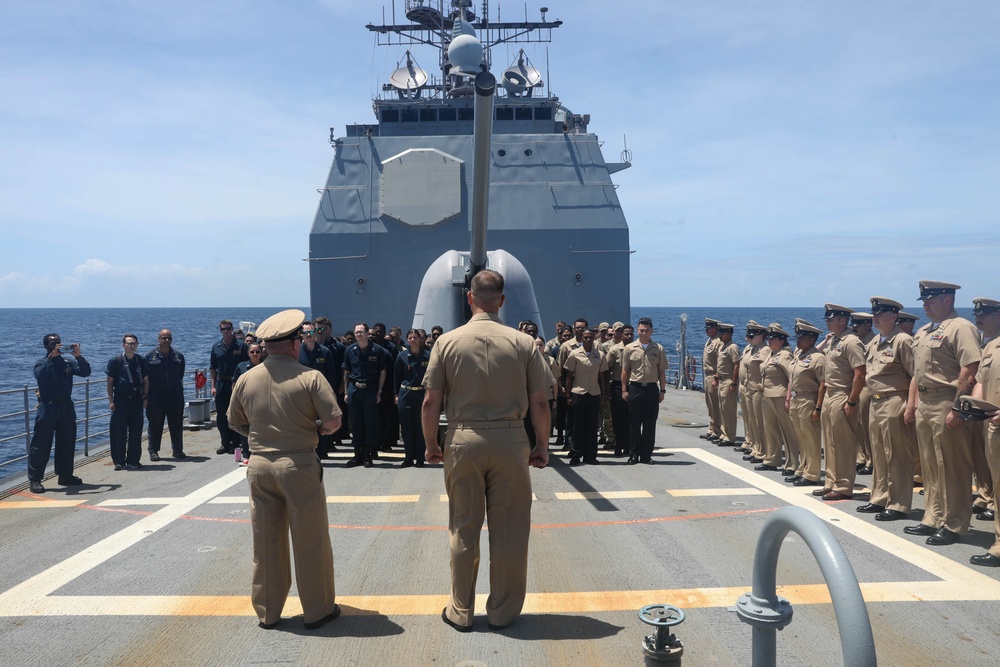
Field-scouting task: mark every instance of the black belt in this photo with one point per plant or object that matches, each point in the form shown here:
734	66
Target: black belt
886	394
934	390
643	384
412	387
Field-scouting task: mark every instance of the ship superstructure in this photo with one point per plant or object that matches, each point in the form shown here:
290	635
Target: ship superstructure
400	190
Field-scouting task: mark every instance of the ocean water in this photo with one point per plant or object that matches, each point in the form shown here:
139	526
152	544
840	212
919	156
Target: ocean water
99	331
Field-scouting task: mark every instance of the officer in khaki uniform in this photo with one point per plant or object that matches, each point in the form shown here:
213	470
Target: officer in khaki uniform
946	357
607	423
906	322
619	407
644	383
488	377
277	406
755	388
725	383
845	376
778	431
806	392
987	314
708	365
586	384
888	371
861	325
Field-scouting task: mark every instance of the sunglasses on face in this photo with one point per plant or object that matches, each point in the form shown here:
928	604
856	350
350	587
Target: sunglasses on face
308	333
254	351
225	328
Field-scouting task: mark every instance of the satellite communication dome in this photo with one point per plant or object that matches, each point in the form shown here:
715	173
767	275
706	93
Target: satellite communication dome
408	77
465	53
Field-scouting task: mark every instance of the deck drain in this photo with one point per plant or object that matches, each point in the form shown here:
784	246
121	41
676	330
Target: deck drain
205	550
237	511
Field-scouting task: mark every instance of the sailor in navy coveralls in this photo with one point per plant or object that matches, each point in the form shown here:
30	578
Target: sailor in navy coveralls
409	377
227	354
365	368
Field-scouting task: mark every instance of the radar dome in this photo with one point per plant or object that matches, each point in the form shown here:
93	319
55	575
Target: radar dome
466	53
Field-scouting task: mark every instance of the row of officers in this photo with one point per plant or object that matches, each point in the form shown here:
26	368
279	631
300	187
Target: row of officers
870	396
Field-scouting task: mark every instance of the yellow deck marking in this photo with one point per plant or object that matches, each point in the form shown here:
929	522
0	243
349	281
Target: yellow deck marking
38	504
684	493
607	495
444	497
373	499
125	502
34	597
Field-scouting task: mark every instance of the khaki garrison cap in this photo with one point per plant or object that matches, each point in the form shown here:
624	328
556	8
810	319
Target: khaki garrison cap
985	306
723	327
281	326
908	317
709	322
603	325
803	328
775	331
975	409
880	304
932	288
617	325
833	310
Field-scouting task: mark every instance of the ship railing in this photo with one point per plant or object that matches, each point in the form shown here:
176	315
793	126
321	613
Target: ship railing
92	414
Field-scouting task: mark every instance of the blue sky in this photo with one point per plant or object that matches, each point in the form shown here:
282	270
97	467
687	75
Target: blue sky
785	153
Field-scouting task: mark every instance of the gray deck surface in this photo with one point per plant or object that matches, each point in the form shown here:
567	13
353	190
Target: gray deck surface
152	567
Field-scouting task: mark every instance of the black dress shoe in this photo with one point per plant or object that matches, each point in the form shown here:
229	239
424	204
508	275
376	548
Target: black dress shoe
802	481
754	459
987	515
632	460
406	464
890	515
976	509
865	470
592	462
792	479
747	457
575	461
704	436
766	467
36	487
870	508
419	463
223	450
741	449
460	628
648	462
822	492
69	480
312	625
987	560
919	529
368	463
725	443
943	537
119	466
353	463
267	626
179	455
788	472
154	456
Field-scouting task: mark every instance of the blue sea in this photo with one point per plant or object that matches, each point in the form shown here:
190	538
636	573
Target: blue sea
99	331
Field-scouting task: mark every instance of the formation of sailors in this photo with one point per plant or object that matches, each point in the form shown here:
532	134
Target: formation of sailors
870	397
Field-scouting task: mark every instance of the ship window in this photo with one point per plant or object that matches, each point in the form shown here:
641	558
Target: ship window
390	115
465	113
505	113
522	113
409	115
446	114
428	115
543	113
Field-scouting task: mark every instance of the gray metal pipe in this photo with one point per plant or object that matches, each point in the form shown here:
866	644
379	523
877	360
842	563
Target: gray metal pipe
856	640
486	85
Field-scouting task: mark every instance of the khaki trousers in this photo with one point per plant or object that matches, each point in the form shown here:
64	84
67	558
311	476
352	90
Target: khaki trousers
778	430
712	404
486	476
749	437
892	473
981	467
727	410
809	435
841	437
287	494
993	456
864	419
757	403
946	456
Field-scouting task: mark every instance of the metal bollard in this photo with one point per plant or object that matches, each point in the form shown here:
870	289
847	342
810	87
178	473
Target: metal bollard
662	648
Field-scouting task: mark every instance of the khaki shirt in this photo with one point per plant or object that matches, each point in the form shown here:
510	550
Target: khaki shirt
745	364
843	355
586	369
776	371
565	349
808	371
726	359
614	359
758	356
277	402
988	374
555	373
889	363
939	355
641	365
486	370
710	355
872	335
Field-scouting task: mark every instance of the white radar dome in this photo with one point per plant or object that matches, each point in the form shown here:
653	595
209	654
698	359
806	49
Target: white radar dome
466	53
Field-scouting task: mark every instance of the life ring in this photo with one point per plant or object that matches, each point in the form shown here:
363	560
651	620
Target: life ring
199	380
690	368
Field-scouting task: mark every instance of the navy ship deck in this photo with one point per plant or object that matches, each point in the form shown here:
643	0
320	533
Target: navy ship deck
152	567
